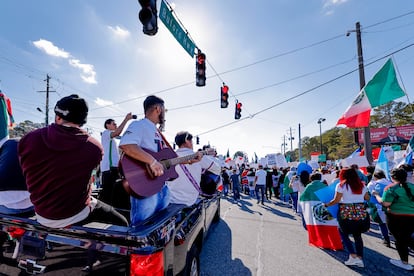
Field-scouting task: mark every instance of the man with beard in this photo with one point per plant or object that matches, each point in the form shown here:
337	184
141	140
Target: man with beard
140	135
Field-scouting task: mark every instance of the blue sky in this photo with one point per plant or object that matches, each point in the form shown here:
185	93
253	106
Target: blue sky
267	53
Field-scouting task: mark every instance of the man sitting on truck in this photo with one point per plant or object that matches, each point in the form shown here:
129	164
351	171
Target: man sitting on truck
58	161
186	188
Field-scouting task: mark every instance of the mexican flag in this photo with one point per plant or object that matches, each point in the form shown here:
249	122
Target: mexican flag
383	88
321	225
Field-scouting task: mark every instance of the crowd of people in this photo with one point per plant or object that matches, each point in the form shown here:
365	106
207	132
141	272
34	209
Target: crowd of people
362	199
51	170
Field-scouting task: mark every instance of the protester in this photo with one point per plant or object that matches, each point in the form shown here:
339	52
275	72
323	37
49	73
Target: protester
399	200
186	188
226	181
353	219
235	183
59	182
58	161
112	191
260	183
14	197
140	135
298	184
321	226
377	184
269	183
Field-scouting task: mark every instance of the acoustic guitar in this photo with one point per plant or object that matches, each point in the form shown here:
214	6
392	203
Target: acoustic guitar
139	181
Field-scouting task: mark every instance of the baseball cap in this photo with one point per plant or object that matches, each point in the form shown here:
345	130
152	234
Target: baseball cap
72	109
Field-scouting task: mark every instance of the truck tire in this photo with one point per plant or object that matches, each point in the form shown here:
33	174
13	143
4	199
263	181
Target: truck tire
192	266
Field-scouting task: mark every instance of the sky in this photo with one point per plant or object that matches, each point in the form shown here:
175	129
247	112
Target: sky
288	62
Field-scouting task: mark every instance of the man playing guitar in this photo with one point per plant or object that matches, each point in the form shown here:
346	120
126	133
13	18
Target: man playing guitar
140	139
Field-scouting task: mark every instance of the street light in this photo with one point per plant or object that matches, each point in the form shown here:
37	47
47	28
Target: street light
320	130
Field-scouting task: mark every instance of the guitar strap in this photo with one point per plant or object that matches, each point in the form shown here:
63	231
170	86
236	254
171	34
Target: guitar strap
186	171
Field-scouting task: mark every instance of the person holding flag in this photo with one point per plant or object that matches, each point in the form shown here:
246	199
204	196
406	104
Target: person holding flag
398	198
322	227
353	219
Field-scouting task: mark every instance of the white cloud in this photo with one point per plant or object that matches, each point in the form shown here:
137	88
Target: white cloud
89	73
119	32
50	49
102	102
330	3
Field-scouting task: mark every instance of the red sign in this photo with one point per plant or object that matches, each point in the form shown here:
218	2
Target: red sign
379	136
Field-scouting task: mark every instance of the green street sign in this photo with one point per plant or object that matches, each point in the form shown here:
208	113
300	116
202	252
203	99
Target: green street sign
176	30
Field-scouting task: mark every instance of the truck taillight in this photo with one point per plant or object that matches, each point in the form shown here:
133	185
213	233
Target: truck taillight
148	265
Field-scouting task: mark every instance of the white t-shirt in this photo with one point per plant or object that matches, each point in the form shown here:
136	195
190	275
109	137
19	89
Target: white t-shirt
261	177
348	196
182	191
143	133
107	145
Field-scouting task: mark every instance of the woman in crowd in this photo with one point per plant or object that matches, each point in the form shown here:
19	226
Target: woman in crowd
353	219
399	200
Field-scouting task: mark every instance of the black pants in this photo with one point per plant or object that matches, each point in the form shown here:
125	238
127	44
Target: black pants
401	227
113	192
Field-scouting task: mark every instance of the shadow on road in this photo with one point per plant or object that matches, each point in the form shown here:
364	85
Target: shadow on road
216	257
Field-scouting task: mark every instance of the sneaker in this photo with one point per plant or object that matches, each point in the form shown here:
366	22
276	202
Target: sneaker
354	261
400	264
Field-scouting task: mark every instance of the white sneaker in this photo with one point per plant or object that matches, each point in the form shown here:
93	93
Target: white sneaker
354	261
400	264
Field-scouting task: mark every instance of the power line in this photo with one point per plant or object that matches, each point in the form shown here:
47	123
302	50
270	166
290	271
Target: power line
306	91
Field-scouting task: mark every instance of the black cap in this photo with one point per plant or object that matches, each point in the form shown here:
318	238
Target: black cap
72	109
182	136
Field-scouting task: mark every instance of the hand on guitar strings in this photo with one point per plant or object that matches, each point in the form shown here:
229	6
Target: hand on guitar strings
157	168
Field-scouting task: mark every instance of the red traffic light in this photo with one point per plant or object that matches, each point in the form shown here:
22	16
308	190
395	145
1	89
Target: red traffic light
201	58
225	89
239	105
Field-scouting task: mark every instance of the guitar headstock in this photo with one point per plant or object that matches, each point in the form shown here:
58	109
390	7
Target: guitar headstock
210	151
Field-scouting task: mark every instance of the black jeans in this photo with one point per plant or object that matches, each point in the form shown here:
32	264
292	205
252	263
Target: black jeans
401	227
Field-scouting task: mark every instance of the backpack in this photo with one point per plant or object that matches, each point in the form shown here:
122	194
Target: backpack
208	183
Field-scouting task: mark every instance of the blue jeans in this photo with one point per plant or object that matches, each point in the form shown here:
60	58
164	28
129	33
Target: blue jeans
359	244
143	208
294	197
236	191
282	196
226	188
262	189
10	211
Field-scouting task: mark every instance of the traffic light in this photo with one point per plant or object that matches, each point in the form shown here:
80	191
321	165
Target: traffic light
200	69
148	16
224	96
197	140
237	114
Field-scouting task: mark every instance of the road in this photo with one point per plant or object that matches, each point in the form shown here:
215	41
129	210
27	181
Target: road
253	239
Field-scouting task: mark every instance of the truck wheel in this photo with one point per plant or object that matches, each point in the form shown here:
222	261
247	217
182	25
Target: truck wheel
192	267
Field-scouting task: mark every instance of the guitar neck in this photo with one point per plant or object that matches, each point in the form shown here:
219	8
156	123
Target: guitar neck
181	159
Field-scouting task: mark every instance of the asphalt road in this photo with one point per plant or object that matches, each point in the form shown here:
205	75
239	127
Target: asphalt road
253	239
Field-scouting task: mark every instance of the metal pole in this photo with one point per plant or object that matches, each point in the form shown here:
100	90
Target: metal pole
320	134
367	130
300	144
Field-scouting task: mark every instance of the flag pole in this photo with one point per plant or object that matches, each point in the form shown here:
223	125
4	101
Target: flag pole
367	130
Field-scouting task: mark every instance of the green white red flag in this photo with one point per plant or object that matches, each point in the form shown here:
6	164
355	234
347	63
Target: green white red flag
322	227
383	88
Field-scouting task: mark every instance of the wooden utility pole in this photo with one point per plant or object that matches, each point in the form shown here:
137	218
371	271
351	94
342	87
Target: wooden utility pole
47	99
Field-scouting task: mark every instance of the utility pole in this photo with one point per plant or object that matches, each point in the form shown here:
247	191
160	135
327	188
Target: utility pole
367	130
47	99
291	138
300	143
